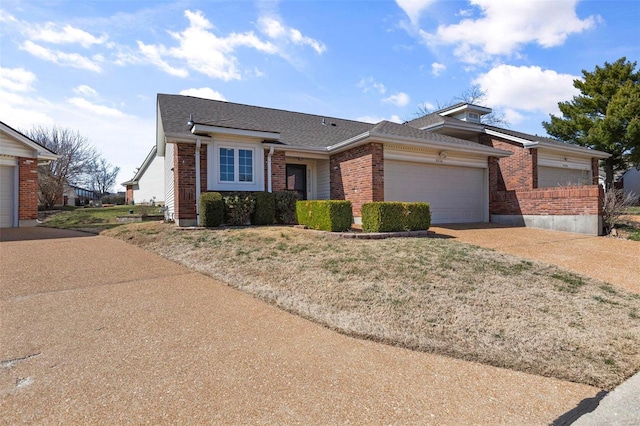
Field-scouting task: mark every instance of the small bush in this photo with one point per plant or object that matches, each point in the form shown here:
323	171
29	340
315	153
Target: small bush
238	208
286	206
211	209
395	216
265	209
325	215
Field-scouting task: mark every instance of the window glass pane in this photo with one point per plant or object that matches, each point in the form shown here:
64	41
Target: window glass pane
226	165
245	165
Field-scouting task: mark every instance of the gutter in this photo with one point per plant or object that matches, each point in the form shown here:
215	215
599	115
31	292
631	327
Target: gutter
198	145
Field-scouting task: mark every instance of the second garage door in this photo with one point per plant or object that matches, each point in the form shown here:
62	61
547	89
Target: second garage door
7	203
456	194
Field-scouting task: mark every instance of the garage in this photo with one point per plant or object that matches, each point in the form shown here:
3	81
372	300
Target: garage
7	196
549	177
457	194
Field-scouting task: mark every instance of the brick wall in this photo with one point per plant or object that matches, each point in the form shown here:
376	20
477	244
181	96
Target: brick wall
27	188
595	172
278	171
570	200
518	171
184	175
129	195
357	175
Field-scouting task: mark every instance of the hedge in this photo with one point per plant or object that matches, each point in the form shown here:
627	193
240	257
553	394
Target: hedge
265	209
286	206
395	216
238	207
211	209
325	215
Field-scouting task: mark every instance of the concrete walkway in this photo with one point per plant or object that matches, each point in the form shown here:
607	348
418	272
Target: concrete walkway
93	330
613	260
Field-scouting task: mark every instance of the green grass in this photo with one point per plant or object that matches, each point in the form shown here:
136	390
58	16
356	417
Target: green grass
633	210
95	219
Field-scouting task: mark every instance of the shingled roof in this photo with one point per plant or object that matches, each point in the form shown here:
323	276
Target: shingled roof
295	128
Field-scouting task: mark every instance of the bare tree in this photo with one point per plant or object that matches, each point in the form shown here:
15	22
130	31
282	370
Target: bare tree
473	95
616	201
76	156
101	176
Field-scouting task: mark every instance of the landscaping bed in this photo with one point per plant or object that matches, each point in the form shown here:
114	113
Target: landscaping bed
428	294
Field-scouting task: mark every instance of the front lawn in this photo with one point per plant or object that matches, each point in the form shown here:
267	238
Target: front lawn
427	294
95	219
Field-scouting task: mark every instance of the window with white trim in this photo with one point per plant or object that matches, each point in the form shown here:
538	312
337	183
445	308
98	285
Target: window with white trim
236	165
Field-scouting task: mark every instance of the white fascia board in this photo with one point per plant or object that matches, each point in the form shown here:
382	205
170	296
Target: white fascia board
202	128
480	149
525	142
346	143
575	149
473	108
182	137
41	152
463	125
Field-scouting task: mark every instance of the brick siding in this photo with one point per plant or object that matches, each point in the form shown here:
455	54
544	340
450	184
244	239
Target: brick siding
27	188
278	171
129	195
570	200
184	175
516	172
357	175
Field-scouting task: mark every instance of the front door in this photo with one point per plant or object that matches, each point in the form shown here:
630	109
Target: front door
297	179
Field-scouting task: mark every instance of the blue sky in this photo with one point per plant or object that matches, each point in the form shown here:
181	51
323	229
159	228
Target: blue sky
96	66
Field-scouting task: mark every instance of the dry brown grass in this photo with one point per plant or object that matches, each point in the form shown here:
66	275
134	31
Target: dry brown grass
427	294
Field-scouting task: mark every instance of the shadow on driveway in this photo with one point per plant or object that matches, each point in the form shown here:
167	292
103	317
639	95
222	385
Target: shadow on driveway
39	233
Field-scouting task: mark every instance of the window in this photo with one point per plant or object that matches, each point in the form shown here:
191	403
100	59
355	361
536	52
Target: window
236	165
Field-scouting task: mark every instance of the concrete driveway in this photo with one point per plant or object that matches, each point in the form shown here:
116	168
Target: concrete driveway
613	260
93	330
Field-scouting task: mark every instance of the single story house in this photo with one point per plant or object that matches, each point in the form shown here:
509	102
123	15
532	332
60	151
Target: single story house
467	171
19	160
75	195
147	186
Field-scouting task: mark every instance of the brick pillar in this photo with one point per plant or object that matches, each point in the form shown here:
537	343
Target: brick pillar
595	171
278	171
129	196
184	175
357	175
27	191
534	167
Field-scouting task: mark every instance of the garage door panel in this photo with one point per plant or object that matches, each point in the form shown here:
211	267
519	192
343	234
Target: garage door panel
456	194
7	198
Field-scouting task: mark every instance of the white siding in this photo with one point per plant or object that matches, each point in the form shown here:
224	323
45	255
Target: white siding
151	183
9	146
632	181
168	182
549	177
456	194
323	189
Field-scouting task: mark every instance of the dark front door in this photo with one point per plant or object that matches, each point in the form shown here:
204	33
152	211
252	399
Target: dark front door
297	179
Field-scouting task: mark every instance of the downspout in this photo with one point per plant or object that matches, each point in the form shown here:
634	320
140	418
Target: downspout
269	169
198	145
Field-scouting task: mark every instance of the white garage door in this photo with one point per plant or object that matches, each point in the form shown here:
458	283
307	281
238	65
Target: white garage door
456	194
7	189
555	176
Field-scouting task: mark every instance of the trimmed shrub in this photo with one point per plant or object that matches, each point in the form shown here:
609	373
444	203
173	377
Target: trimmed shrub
265	210
238	208
211	209
286	206
325	215
395	216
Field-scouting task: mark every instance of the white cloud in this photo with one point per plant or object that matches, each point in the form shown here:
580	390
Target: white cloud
85	90
52	33
399	99
73	60
276	30
204	92
202	50
367	84
375	119
17	79
505	27
523	88
437	68
512	116
414	8
92	108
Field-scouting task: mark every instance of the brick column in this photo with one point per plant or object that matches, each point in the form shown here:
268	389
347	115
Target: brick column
184	175
27	191
357	175
595	171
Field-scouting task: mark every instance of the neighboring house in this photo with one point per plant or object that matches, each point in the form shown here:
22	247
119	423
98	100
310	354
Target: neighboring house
19	159
467	171
147	186
631	181
75	196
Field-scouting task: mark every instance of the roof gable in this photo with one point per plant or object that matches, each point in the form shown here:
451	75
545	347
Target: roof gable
41	152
